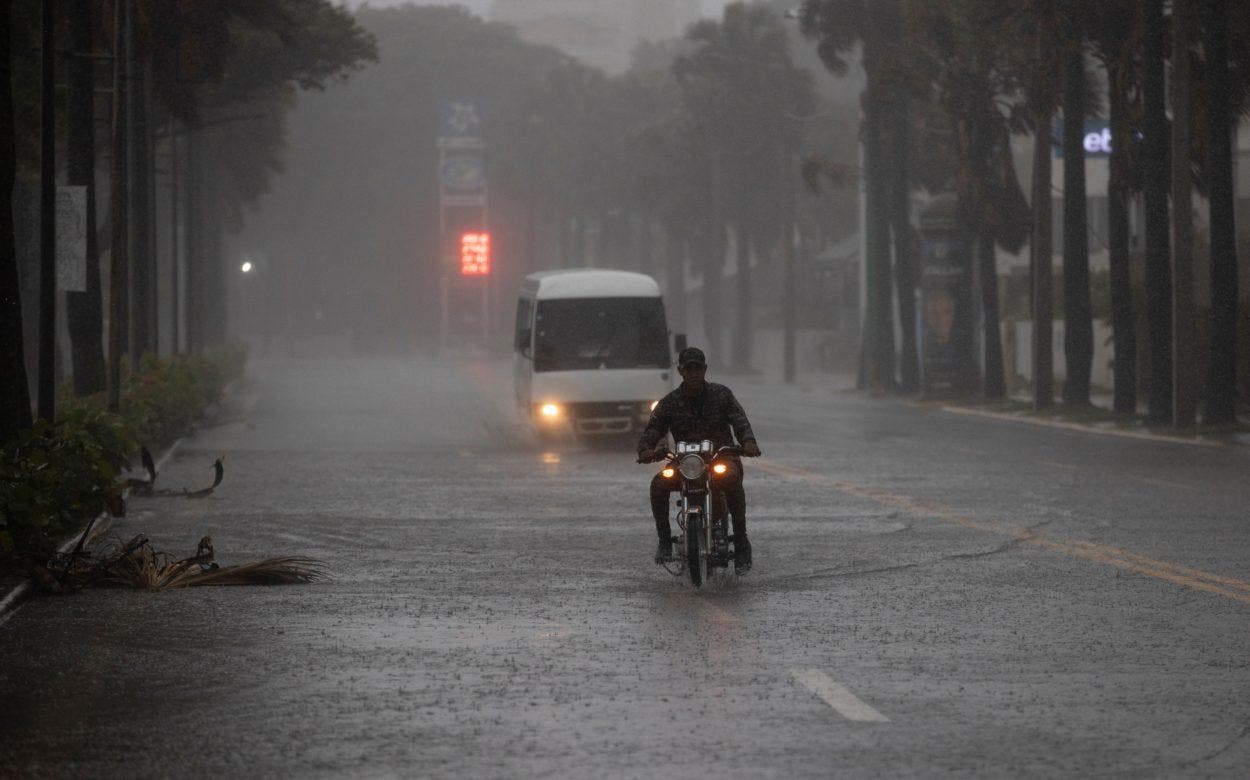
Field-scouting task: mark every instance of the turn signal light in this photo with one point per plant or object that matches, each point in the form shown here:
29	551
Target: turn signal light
667	473
720	468
550	410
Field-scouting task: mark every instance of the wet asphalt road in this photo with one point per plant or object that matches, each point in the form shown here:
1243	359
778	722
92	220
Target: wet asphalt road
933	593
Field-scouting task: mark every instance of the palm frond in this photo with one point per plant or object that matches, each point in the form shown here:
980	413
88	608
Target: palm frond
137	564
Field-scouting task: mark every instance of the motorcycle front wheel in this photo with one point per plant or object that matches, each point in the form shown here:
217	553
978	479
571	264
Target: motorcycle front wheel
696	561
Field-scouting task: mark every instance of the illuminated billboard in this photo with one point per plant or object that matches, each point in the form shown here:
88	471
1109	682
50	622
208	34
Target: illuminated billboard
475	254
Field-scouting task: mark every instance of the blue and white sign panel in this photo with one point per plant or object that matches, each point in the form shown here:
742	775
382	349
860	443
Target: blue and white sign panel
459	120
462	173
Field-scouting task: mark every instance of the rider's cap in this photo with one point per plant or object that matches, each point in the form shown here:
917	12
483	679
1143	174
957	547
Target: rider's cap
691	356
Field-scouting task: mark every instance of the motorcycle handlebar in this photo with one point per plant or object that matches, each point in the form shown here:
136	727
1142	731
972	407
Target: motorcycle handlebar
656	457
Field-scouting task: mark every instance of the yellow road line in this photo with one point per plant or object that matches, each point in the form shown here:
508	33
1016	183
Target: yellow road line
1228	587
1197	441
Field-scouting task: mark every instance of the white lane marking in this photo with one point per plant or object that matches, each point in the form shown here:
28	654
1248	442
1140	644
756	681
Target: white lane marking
835	695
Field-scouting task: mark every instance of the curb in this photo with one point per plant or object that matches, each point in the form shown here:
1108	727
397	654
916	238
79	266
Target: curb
12	601
1193	441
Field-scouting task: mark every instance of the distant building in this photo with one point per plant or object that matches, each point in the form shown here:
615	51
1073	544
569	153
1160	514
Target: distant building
602	33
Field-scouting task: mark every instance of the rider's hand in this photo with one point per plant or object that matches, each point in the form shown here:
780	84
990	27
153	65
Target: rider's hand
646	456
750	449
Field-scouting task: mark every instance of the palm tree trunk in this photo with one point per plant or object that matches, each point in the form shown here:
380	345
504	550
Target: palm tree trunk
47	215
713	258
1221	391
995	381
84	310
143	271
742	301
1041	259
1154	161
14	390
878	337
674	279
1124	329
214	277
1078	333
193	232
119	256
1183	330
905	247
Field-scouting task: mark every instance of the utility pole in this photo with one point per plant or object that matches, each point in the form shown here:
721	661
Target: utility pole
47	223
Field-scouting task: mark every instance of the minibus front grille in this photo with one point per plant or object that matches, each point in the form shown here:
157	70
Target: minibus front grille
597	409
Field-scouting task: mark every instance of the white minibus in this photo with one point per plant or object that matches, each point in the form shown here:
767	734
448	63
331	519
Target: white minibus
592	351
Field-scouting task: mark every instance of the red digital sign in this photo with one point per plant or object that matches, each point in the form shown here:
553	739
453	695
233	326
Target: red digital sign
475	254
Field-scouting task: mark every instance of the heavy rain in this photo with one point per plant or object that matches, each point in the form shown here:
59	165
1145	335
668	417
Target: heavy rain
625	388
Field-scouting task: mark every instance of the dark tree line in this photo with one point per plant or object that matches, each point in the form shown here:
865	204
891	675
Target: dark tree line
991	69
194	96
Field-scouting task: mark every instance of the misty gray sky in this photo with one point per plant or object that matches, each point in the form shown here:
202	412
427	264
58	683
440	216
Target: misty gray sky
710	7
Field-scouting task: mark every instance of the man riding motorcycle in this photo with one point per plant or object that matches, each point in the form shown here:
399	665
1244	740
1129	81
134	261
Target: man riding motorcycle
695	411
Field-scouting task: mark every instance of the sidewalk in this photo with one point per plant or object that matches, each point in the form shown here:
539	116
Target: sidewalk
1098	418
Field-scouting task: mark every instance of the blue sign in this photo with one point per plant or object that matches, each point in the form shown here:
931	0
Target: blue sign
460	119
462	173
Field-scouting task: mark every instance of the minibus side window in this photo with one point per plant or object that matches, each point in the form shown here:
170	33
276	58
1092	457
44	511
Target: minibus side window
524	331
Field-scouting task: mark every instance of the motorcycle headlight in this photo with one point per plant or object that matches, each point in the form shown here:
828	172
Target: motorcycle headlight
691	466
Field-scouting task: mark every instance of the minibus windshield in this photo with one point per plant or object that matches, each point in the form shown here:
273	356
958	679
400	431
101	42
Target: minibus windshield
591	333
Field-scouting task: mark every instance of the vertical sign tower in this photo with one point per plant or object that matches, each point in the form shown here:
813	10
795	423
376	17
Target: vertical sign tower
464	230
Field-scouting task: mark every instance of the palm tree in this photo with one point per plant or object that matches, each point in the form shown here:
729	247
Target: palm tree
874	25
971	78
1183	328
1115	34
1222	96
1154	170
1035	61
14	391
84	310
749	96
1078	329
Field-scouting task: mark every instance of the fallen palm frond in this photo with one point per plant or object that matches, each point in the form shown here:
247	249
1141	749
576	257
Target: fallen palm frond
139	487
137	564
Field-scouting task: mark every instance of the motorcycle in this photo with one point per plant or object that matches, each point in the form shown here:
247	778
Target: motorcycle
705	542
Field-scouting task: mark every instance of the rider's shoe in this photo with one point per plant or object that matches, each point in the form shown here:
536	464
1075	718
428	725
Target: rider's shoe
742	556
663	552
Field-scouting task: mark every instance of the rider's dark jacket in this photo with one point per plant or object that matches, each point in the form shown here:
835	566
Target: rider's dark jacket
712	414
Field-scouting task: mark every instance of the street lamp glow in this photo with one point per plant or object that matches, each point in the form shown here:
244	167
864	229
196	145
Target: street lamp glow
246	268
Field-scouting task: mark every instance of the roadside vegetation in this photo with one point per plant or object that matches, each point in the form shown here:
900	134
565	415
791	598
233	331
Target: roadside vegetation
196	96
55	477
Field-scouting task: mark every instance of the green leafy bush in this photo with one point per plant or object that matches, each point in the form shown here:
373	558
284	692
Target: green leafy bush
53	477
